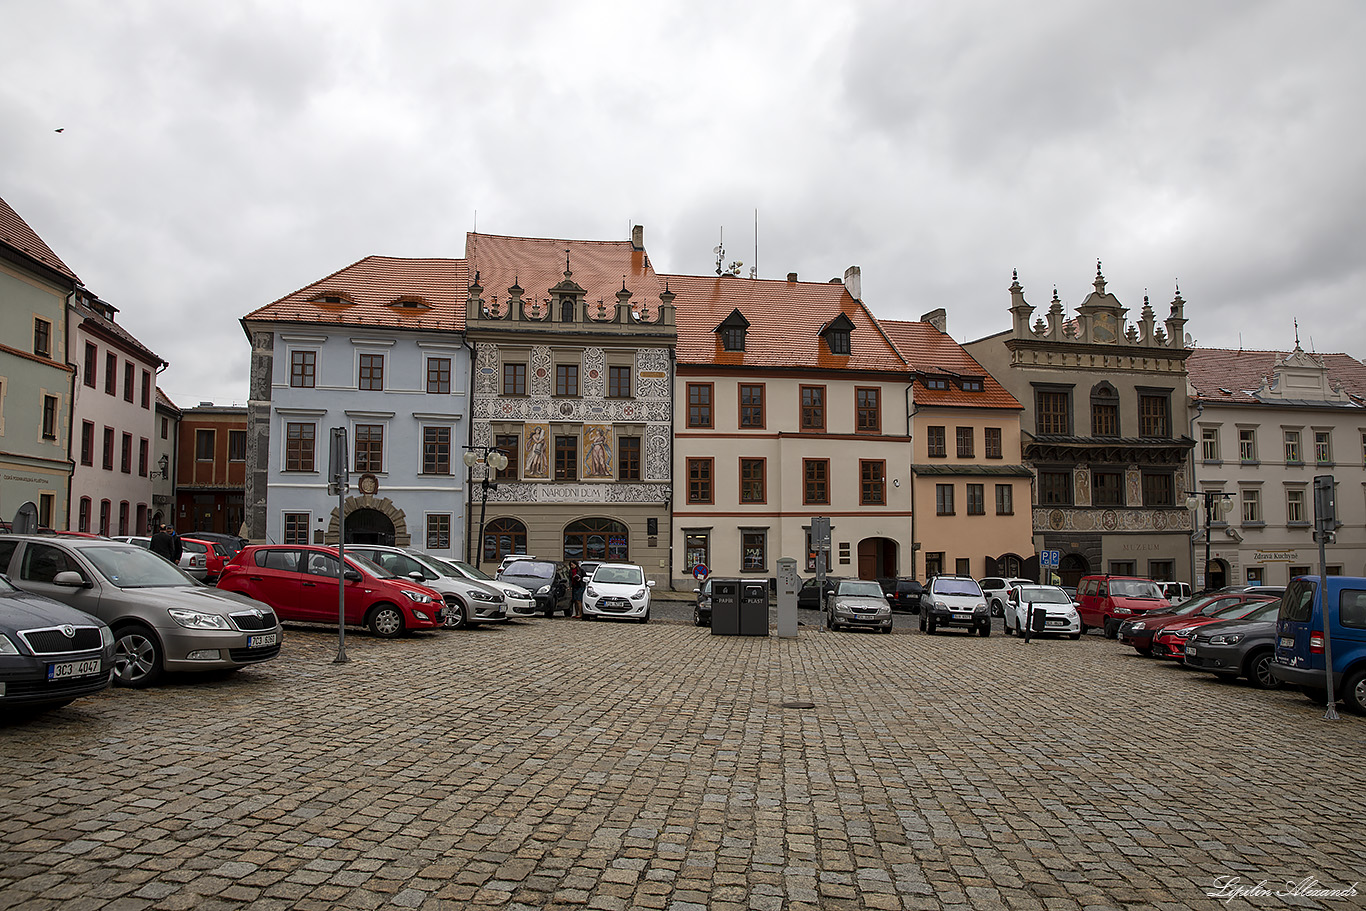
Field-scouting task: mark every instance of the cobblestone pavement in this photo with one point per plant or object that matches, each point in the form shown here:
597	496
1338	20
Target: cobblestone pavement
558	764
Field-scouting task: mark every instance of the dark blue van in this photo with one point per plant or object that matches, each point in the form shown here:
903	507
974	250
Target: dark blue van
1300	641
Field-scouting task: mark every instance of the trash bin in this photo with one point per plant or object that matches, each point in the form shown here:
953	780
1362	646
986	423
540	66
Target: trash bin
753	609
725	607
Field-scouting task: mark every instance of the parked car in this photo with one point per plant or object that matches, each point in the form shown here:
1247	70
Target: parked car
856	603
513	558
1061	611
996	589
194	555
1107	601
812	594
520	602
701	609
547	580
216	556
231	543
162	619
1239	648
466	601
903	594
50	654
300	583
955	601
1139	632
617	590
1175	592
1170	641
1309	609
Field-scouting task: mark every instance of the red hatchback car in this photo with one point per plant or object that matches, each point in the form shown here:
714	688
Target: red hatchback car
216	556
1170	641
300	582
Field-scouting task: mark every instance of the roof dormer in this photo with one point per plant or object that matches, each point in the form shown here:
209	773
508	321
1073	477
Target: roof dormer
410	302
732	331
838	334
332	299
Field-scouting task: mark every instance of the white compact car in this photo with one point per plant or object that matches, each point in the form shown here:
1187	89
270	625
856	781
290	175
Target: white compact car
1062	617
617	590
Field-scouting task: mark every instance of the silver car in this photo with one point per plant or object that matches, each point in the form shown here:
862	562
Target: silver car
520	601
162	619
194	557
467	601
858	603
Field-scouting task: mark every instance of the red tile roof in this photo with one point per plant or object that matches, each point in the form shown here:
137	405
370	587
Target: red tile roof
785	320
371	286
18	236
164	399
536	264
95	321
1213	370
931	352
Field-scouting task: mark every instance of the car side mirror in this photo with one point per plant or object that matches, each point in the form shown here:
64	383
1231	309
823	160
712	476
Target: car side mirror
71	579
417	575
352	575
889	596
649	583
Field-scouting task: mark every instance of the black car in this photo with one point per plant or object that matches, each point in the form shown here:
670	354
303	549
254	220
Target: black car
701	610
811	596
903	594
50	653
1238	648
547	580
233	543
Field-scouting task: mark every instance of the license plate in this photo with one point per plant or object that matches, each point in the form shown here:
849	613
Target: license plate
962	616
73	669
1287	642
1190	650
263	641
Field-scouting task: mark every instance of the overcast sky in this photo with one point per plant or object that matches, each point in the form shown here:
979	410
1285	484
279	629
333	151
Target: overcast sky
217	156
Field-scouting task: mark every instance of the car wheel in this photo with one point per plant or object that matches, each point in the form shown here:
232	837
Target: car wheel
1074	636
385	621
1354	691
1111	629
696	616
457	616
1259	670
984	630
1005	625
644	619
997	609
922	623
931	626
1084	629
1145	652
137	656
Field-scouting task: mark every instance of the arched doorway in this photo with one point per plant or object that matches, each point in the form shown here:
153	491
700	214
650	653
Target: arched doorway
597	539
1216	574
876	558
503	537
369	526
1071	568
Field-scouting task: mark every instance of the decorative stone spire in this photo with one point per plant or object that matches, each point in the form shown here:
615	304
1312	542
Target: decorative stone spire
1100	280
1020	310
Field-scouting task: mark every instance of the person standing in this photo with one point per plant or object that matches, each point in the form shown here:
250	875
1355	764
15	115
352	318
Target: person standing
577	583
164	544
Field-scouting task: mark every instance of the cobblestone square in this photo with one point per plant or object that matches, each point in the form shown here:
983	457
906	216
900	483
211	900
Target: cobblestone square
558	764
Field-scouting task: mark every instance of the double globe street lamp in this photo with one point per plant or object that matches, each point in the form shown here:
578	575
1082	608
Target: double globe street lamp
492	459
1217	505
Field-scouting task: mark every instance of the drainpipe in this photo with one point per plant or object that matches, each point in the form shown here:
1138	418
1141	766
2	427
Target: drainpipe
910	412
71	400
1199	410
673	375
469	441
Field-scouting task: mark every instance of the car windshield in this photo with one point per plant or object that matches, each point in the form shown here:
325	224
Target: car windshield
132	567
956	587
860	589
1045	596
528	570
470	571
1238	611
1267	611
618	575
1134	588
370	566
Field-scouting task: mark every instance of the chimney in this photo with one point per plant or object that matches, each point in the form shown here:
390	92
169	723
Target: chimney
853	280
792	276
939	319
638	237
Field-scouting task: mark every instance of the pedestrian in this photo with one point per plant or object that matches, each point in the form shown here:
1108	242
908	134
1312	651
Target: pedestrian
177	549
576	580
163	544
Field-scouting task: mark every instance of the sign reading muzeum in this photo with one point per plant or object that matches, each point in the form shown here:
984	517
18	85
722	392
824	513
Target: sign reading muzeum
1104	429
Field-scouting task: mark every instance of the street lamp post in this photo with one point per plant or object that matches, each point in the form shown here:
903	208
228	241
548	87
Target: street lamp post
493	459
1216	503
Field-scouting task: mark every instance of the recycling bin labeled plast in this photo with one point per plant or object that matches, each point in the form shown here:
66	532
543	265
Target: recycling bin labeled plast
754	608
725	607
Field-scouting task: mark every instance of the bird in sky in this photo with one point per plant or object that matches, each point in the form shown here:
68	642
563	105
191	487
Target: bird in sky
59	129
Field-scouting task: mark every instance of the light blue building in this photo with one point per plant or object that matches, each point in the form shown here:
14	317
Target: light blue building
379	349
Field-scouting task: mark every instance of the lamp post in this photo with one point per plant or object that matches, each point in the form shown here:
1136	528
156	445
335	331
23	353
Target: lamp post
1216	503
493	459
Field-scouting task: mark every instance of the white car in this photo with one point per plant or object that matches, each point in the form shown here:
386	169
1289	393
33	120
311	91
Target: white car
996	588
1061	611
617	590
520	602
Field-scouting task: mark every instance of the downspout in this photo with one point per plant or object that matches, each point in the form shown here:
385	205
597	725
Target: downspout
172	467
1190	539
71	399
673	377
469	441
910	412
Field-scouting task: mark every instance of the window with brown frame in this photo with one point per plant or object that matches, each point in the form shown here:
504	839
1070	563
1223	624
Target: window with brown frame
872	482
509	444
108	452
87	443
514	379
566	458
146	389
965	443
699	480
144	447
699	404
567	379
1104	411
92	360
128	374
371	372
1005	500
50	405
296	528
126	454
303	369
1107	487
1053	411
943	499
619	382
753	550
369	448
111	373
751	405
42	337
936	442
439	375
991	442
299	446
1055	488
752	489
628	458
813	407
1157	489
436	450
1154	415
868	409
815	482
977	499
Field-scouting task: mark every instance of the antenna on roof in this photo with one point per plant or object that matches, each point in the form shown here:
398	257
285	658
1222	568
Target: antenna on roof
754	265
476	221
720	250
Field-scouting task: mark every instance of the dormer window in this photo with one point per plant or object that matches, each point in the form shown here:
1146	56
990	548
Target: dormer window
410	302
332	298
936	382
732	331
566	309
971	384
838	334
